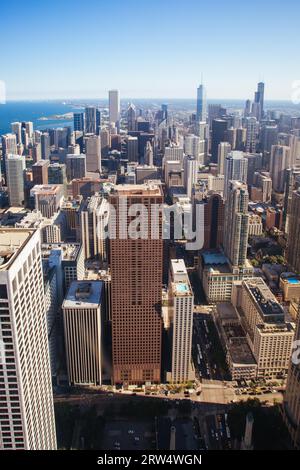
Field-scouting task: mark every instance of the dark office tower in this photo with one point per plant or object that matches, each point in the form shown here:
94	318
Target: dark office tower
219	128
268	137
201	104
76	166
131	118
57	173
136	288
291	405
40	172
164	109
213	221
259	100
293	244
142	125
91	120
78	122
247	110
98	121
45	146
241	135
291	183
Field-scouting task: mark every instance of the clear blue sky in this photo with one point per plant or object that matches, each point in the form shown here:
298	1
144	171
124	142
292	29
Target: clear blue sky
158	48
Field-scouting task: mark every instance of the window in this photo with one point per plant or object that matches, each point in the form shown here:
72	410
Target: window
3	291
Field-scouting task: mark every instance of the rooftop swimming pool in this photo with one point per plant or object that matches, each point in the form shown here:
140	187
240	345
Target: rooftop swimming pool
182	288
293	281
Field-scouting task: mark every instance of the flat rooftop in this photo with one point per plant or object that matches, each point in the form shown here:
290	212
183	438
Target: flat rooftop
69	251
146	189
178	266
46	189
12	240
240	352
227	312
263	297
84	294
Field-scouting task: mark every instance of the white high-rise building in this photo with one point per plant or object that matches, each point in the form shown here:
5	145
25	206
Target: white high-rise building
194	146
236	168
9	144
15	167
83	332
190	174
114	106
16	128
27	412
201	104
223	150
181	321
173	153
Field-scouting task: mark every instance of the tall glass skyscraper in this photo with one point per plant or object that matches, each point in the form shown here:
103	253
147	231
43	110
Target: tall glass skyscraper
201	103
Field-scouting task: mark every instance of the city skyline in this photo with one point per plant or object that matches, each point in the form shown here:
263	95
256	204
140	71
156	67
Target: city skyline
101	49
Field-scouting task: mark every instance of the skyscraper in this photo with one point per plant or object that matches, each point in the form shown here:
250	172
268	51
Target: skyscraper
16	128
223	150
219	128
82	317
40	172
93	153
279	162
9	146
181	319
259	100
148	154
136	287
76	166
92	120
78	120
27	412
45	146
235	237
114	106
15	168
291	405
131	118
251	131
236	166
293	244
190	174
201	104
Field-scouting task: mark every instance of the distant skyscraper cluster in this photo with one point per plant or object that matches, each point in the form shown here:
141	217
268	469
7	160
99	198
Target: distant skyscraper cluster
100	272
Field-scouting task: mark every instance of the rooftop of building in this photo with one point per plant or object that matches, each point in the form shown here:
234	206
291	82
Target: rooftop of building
69	251
12	240
83	294
240	351
227	312
148	188
41	163
265	300
46	189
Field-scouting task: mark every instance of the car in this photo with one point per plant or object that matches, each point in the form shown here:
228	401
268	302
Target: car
130	431
136	438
